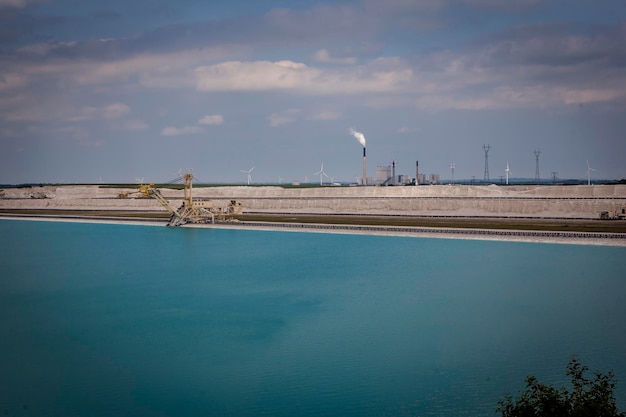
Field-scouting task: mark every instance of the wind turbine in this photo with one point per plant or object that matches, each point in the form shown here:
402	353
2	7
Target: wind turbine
249	176
139	180
507	172
321	173
589	169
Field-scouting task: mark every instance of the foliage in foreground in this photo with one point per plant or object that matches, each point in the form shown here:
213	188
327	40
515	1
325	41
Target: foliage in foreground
588	397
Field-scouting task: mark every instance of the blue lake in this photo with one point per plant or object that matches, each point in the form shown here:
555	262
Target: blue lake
100	319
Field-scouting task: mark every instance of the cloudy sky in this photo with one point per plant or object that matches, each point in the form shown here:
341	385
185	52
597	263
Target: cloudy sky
117	90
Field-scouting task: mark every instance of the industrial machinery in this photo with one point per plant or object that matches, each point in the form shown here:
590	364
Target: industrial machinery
619	214
127	194
191	211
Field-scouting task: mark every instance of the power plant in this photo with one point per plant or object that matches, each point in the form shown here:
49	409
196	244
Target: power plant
386	175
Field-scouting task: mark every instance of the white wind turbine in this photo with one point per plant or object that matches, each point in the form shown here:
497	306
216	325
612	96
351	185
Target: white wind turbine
589	169
322	174
249	175
507	172
139	180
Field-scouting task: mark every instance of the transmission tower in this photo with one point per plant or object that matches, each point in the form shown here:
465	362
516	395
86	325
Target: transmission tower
537	153
486	148
554	176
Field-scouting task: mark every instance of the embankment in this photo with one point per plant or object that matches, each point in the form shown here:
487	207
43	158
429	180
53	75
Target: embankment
566	202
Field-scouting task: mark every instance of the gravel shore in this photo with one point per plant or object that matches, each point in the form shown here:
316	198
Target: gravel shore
536	236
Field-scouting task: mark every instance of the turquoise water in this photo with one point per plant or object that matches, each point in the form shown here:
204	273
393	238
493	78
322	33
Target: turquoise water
128	320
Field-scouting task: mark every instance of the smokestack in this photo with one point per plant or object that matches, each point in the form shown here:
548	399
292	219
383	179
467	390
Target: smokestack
393	172
364	169
361	138
417	172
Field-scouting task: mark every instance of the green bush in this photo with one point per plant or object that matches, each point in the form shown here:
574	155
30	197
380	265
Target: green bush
587	398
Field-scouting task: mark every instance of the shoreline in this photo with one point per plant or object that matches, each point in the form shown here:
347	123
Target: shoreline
510	235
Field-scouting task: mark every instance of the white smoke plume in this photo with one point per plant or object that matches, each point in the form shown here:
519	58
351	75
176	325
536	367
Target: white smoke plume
358	135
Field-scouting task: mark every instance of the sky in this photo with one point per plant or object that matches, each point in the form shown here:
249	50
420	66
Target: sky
117	90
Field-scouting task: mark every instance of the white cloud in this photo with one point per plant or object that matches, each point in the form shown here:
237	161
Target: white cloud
292	115
186	130
500	97
324	56
590	95
534	66
5	132
446	102
254	76
131	125
73	132
12	81
18	4
283	118
406	129
151	70
109	112
42	49
510	4
380	75
211	119
538	68
29	108
85	113
409	7
325	115
115	110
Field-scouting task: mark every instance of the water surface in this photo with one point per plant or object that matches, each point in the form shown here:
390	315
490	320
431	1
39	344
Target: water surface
151	321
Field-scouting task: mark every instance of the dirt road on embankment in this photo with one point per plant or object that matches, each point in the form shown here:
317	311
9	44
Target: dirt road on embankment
493	223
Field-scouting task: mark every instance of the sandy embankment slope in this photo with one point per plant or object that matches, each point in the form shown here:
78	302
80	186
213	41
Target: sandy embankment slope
584	202
569	203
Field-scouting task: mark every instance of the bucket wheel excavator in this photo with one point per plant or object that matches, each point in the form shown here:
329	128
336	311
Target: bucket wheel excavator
200	211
